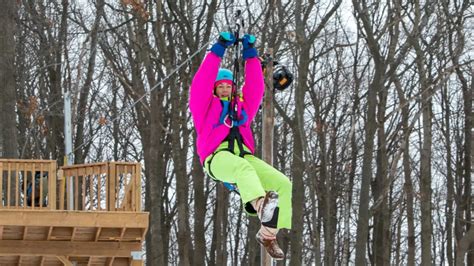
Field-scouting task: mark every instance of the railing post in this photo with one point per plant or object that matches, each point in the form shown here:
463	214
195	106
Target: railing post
52	179
138	187
62	190
111	172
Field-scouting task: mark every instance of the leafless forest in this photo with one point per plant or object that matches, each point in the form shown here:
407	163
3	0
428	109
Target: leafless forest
375	132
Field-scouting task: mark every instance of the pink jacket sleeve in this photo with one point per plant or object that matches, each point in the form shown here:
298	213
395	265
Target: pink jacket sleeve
202	88
253	88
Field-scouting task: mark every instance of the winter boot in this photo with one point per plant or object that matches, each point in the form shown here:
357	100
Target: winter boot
266	207
268	240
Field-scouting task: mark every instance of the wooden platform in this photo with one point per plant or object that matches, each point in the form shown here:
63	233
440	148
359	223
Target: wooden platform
52	237
86	214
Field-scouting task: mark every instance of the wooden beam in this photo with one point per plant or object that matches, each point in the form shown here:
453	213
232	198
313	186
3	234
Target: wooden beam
52	178
109	261
9	185
81	166
122	233
64	260
138	187
67	248
74	218
73	233
62	184
1	231
50	231
111	175
97	233
26	161
25	232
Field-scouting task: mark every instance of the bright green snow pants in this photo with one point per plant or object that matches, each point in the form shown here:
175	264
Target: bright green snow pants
252	177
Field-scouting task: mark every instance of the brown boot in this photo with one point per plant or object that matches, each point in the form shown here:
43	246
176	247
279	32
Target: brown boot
271	245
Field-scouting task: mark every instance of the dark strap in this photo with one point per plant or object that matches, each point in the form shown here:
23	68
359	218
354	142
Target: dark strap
210	161
232	137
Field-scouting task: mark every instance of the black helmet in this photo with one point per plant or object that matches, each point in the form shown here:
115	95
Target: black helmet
282	77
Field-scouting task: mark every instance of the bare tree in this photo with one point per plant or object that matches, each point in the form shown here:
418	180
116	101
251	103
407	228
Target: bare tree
455	16
85	91
304	42
8	99
376	84
8	15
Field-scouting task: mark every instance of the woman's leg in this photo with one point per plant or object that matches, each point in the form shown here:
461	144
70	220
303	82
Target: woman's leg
230	168
273	180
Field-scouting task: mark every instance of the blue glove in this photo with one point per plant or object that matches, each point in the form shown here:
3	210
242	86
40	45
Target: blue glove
248	50
225	40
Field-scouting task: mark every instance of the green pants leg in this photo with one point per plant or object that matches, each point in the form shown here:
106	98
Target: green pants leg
253	177
272	179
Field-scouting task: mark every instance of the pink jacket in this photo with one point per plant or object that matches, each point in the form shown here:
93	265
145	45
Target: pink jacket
206	108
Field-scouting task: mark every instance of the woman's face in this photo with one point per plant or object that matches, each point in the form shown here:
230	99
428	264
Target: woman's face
223	89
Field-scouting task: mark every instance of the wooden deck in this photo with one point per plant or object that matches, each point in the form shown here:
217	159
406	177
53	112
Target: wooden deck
101	223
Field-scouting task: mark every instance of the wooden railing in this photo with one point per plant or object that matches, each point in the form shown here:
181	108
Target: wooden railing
114	186
28	184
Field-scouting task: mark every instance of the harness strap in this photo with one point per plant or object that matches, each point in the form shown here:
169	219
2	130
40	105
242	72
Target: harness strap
233	136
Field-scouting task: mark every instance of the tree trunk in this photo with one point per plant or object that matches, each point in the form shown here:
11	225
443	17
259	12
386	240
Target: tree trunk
157	246
297	167
9	135
218	253
425	158
380	191
467	200
354	157
325	189
80	154
199	210
408	186
9	132
425	179
252	246
364	194
179	151
463	246
370	128
316	221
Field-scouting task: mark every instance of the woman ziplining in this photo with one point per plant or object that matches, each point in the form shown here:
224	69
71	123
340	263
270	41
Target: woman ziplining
225	142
